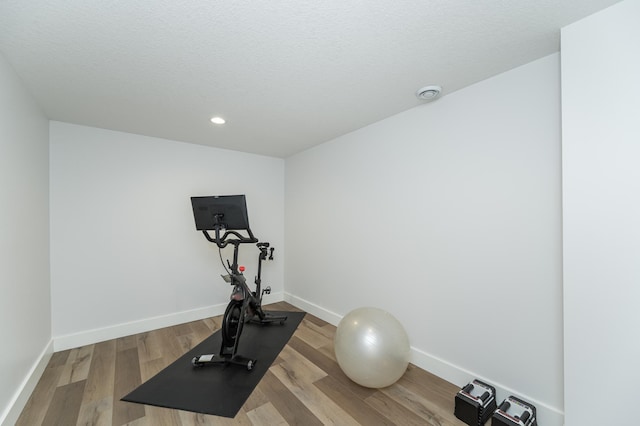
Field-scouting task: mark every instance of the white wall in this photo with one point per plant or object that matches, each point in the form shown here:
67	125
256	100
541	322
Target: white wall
25	310
448	216
125	253
601	214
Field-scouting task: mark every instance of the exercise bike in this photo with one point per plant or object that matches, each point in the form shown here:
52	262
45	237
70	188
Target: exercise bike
228	214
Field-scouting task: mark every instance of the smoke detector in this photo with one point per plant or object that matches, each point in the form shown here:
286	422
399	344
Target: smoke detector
428	93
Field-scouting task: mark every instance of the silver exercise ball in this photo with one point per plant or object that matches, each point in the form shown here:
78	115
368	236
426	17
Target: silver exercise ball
372	347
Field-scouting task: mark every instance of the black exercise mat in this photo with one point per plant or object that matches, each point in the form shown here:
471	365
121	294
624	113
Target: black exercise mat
217	389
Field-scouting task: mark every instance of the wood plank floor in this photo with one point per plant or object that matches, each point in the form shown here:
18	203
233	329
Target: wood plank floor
304	385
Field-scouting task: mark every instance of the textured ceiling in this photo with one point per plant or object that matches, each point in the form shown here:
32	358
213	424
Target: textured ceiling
286	75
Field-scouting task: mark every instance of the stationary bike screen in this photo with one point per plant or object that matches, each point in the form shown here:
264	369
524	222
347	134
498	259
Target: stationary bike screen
224	211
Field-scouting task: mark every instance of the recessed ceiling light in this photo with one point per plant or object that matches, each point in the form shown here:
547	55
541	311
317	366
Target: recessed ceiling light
428	93
218	120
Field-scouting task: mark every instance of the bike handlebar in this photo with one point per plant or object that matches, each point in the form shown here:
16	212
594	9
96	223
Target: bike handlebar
223	241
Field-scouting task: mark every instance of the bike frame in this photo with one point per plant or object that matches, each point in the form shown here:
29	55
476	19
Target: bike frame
251	301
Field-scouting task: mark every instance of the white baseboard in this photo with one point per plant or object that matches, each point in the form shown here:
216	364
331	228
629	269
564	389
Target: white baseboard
89	337
96	335
547	415
20	398
313	309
